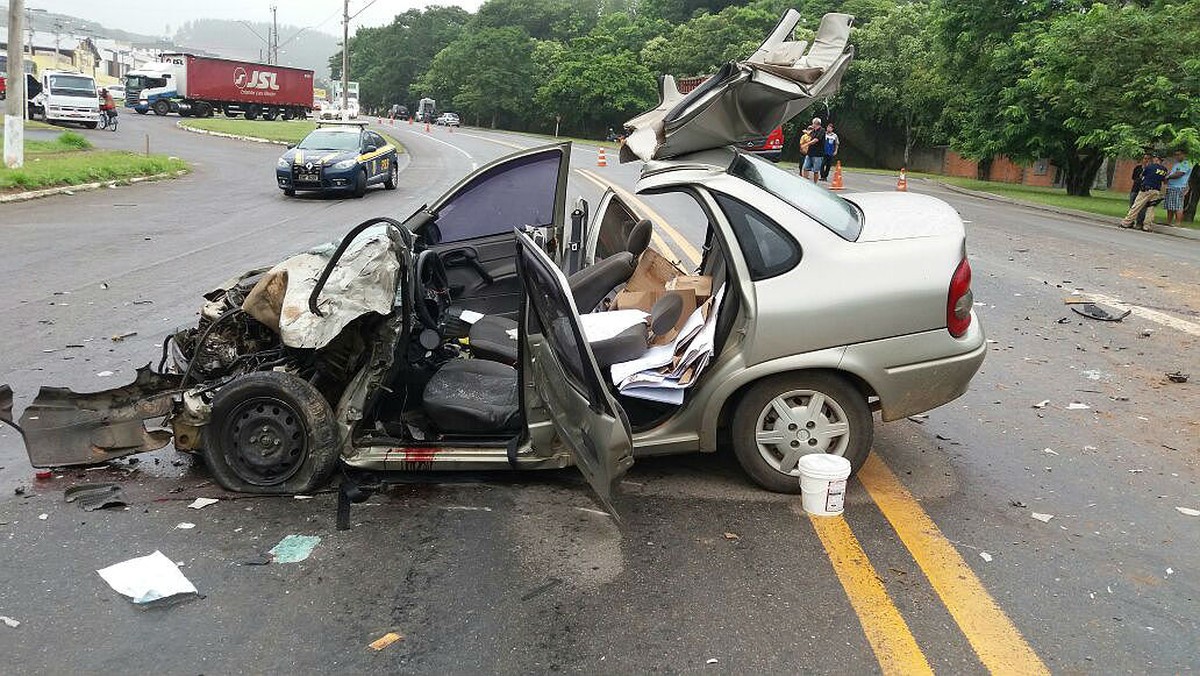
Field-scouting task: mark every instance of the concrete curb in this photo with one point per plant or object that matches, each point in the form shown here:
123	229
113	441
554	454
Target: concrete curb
71	189
1095	219
237	137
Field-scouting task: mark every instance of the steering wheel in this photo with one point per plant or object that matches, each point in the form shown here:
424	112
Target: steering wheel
433	289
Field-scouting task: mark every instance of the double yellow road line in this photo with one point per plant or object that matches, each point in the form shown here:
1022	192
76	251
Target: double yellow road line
996	641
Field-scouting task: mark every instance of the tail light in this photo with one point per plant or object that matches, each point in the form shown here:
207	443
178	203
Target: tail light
959	301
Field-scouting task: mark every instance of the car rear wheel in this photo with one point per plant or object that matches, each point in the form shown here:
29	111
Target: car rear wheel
360	183
393	174
785	417
271	433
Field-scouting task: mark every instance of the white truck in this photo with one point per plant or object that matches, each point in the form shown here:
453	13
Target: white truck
66	96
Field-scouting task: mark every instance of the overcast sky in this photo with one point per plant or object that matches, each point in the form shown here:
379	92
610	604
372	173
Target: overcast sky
153	16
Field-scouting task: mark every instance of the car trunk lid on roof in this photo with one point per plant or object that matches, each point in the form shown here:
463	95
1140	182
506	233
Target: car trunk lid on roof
746	99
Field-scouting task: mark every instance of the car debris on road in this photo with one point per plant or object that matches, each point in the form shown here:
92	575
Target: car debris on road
148	579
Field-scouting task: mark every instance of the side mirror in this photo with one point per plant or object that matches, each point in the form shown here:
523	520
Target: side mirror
370	148
291	145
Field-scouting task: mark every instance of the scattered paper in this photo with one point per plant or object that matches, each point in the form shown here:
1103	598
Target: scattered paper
470	316
104	374
985	556
598	326
1044	518
1188	511
43	516
1049	451
201	503
711	660
147	578
1076	406
302	497
732	536
294	548
1042	404
9	621
185	526
1170	571
385	640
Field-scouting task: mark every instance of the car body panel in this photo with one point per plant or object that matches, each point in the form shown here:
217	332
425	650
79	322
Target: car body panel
748	99
584	413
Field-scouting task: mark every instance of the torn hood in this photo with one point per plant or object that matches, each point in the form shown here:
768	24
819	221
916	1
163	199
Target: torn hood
746	99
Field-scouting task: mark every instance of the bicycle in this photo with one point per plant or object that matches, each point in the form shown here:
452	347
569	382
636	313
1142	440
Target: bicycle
108	119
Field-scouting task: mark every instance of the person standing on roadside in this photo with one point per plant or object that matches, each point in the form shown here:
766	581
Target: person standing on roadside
1153	176
1177	184
832	144
1135	185
815	157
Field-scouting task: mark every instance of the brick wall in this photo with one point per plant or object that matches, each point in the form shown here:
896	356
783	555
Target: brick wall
1122	173
1002	169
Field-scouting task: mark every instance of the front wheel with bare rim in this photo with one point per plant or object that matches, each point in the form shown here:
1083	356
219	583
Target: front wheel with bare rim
785	417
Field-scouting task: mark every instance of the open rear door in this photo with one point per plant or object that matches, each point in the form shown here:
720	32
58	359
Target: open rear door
609	231
586	416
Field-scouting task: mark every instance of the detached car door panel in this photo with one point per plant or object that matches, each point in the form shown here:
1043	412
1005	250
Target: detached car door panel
586	416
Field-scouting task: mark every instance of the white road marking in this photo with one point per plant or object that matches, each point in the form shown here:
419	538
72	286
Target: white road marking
474	165
1155	316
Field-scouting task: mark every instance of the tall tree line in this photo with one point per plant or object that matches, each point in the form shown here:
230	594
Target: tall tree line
1068	80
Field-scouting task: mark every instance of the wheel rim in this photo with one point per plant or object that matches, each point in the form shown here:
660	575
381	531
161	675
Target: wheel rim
267	441
797	423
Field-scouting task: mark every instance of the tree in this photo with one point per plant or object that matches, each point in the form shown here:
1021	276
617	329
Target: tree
594	90
486	73
894	79
541	19
701	45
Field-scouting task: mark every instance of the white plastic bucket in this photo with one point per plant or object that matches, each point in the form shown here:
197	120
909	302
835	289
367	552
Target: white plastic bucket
823	483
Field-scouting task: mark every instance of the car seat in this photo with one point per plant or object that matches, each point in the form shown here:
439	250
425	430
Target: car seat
495	338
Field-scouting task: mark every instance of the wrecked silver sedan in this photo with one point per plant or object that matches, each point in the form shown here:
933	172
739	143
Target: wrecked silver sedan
490	331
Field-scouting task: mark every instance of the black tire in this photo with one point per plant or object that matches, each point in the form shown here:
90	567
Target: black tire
290	192
139	111
393	174
271	433
253	112
203	109
91	125
112	123
286	114
161	107
270	114
230	113
360	183
843	403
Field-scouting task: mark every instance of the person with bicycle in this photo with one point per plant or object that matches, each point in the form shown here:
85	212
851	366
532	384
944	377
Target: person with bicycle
108	107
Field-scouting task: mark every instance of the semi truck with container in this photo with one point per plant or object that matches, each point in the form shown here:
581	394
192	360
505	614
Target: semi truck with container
201	86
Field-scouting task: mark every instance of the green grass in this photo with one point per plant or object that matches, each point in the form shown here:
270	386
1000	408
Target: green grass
31	124
69	160
285	131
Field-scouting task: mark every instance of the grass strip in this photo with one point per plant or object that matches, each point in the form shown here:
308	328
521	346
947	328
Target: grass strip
284	131
49	170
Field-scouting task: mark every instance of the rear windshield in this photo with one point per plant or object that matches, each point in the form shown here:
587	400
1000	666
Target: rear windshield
330	139
826	208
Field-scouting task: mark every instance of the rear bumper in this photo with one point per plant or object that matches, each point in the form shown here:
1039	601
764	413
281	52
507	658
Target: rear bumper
915	373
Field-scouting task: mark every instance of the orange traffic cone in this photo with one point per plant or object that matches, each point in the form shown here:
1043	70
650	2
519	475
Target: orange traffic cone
902	184
601	159
426	127
837	177
410	121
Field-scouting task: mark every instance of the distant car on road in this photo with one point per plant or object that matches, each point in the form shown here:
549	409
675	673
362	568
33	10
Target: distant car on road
447	120
338	157
768	147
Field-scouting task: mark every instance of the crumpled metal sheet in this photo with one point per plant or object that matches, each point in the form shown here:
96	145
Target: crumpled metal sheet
63	427
747	99
363	281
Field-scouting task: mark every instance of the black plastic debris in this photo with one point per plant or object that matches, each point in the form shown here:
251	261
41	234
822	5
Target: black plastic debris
1177	377
95	496
1093	311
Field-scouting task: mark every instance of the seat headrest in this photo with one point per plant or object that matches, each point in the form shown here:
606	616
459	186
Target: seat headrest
639	237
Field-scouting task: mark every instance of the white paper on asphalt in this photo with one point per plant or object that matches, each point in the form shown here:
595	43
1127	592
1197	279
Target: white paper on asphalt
147	578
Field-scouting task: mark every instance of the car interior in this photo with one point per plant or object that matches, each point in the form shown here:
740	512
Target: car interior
457	378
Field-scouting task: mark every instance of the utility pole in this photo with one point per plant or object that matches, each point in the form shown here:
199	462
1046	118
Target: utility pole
274	41
345	59
14	119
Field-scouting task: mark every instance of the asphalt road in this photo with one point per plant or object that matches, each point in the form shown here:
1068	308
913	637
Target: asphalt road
519	573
